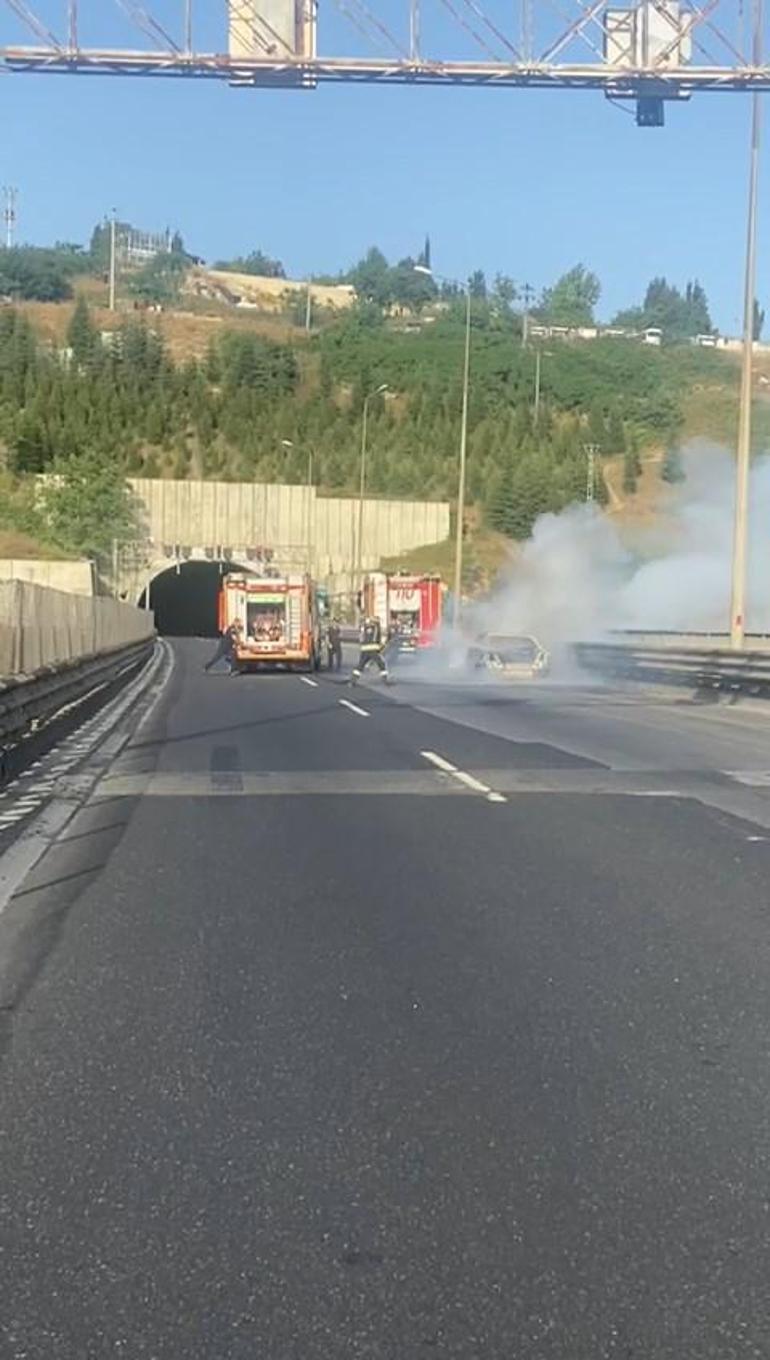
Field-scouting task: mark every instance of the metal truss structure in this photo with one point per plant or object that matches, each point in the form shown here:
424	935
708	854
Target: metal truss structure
648	50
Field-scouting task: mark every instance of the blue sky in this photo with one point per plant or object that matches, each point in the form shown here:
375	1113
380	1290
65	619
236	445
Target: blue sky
523	182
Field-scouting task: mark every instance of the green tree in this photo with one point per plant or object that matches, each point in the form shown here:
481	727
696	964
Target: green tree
758	323
477	285
571	300
679	316
32	274
672	467
597	430
410	287
88	504
504	293
616	435
81	334
371	278
160	279
532	494
256	262
629	472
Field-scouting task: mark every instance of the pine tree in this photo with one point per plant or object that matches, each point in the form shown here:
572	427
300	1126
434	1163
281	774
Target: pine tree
81	335
597	430
629	472
672	468
532	493
616	435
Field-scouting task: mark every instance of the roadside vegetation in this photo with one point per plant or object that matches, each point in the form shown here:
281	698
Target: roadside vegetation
111	404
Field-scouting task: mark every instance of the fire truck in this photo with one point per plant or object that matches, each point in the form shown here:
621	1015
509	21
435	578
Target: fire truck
277	618
408	607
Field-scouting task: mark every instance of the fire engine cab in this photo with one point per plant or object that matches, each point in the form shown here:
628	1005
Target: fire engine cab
408	607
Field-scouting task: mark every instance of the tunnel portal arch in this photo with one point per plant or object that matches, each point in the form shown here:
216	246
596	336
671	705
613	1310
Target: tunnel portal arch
183	595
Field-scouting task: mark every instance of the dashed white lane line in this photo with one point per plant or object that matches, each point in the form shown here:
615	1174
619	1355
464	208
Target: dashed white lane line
439	762
362	712
307	681
471	782
463	777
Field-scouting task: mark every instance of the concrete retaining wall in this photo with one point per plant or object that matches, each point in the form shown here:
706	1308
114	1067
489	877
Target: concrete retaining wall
40	627
76	578
228	519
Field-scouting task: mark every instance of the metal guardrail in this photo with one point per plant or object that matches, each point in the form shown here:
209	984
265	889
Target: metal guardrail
29	702
669	637
676	659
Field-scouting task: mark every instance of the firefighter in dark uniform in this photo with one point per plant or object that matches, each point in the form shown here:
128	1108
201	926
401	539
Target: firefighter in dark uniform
334	644
372	645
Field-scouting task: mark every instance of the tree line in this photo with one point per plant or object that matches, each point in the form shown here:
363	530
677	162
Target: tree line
119	404
47	274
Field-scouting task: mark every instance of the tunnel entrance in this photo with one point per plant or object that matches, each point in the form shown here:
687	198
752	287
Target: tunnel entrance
184	600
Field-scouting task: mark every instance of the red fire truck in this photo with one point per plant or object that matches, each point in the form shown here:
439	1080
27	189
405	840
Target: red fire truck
408	607
277	618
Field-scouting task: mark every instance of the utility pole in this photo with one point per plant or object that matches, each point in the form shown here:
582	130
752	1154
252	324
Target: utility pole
188	42
310	512
458	574
10	198
463	459
308	309
528	297
591	451
72	25
113	258
538	354
743	454
378	392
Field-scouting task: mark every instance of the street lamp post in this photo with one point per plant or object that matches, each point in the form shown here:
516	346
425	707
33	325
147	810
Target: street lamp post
743	453
458	579
378	392
289	444
538	361
113	258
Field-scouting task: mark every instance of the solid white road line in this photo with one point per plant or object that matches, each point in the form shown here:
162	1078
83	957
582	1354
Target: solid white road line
362	713
307	681
468	780
471	783
439	761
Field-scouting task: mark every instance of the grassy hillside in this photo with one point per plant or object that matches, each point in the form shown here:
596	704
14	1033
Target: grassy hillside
239	396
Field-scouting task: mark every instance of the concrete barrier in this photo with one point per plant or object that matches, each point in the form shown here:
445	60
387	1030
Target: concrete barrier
41	627
74	576
195	520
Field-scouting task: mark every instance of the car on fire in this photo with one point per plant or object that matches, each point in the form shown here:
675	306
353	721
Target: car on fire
516	655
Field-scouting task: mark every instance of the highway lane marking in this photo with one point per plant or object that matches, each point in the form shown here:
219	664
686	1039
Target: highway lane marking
470	781
307	681
362	712
439	761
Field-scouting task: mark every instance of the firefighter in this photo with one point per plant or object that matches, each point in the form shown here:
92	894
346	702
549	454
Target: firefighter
226	647
334	644
372	645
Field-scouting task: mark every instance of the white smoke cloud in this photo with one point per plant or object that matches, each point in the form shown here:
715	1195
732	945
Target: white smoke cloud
575	578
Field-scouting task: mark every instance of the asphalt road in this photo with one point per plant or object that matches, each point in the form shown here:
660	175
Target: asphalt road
319	1047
